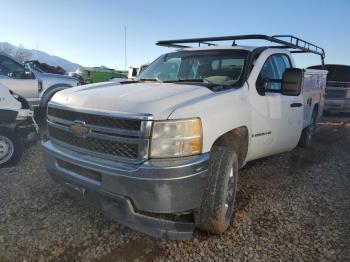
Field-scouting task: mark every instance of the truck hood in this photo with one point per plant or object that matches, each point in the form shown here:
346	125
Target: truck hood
157	99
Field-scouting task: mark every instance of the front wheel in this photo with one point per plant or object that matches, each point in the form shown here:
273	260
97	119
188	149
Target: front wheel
218	198
11	147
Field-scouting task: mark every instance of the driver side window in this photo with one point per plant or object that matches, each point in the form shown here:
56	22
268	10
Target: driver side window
273	69
10	68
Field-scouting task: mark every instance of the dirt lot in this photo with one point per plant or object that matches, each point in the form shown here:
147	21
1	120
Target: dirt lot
294	206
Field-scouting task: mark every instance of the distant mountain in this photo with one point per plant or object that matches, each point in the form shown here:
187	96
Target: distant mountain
46	58
53	60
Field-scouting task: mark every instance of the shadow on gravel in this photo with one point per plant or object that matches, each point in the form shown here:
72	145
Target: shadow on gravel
132	250
330	131
265	223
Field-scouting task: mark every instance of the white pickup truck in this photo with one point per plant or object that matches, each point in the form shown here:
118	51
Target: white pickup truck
17	126
161	154
36	86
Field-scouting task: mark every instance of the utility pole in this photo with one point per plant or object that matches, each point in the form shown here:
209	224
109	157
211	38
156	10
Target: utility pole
126	60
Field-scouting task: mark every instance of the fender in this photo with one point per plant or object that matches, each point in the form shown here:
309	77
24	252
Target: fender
51	90
219	112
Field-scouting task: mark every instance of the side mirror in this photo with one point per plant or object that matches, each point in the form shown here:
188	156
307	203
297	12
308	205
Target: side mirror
28	74
261	86
292	81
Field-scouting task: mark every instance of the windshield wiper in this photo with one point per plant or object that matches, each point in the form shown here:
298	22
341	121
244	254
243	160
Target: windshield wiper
199	80
204	82
185	80
155	79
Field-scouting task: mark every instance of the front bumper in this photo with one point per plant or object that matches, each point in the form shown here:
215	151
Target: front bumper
337	105
145	197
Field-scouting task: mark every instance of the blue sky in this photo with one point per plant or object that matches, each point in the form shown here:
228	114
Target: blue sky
91	33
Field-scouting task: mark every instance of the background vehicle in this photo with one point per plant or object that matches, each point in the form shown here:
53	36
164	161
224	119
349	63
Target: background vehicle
17	126
36	86
135	71
337	88
99	74
161	153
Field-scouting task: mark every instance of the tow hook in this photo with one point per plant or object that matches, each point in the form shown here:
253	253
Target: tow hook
78	189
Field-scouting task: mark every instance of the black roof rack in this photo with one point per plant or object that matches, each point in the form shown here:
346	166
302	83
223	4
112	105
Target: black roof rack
285	41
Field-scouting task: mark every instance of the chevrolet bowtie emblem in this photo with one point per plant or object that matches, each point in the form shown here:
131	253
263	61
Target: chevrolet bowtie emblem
79	129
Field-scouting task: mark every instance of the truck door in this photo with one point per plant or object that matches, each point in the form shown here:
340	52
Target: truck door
276	118
14	76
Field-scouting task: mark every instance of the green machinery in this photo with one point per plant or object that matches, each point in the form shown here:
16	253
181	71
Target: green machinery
99	74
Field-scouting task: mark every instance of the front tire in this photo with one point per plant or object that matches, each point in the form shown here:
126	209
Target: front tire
218	198
11	147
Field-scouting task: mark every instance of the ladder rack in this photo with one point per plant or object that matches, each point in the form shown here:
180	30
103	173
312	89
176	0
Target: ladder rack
296	44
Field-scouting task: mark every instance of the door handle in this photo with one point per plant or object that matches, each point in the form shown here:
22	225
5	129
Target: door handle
296	105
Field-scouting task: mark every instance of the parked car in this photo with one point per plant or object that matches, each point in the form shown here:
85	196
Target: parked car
337	88
99	74
36	86
161	153
17	126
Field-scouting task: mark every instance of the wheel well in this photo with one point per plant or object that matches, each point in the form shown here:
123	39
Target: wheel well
237	139
51	91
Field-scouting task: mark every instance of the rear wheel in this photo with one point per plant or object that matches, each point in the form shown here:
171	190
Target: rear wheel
308	133
218	198
11	147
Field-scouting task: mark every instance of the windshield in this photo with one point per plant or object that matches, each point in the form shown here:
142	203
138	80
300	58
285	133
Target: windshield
218	67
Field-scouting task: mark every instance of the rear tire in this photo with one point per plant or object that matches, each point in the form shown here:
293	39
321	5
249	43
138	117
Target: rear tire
11	147
308	133
218	198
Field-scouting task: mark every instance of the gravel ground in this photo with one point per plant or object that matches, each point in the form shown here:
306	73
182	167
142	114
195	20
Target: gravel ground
294	206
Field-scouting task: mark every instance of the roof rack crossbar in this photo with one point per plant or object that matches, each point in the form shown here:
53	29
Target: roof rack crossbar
284	41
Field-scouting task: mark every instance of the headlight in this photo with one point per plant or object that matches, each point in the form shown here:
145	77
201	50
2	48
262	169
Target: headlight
176	138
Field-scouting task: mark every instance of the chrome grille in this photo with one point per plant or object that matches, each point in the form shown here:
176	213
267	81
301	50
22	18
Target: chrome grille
112	136
91	119
102	146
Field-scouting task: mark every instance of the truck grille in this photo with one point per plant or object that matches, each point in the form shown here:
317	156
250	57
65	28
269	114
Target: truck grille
91	119
335	93
99	135
95	145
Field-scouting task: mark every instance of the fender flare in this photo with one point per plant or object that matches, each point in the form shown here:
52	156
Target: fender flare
50	91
